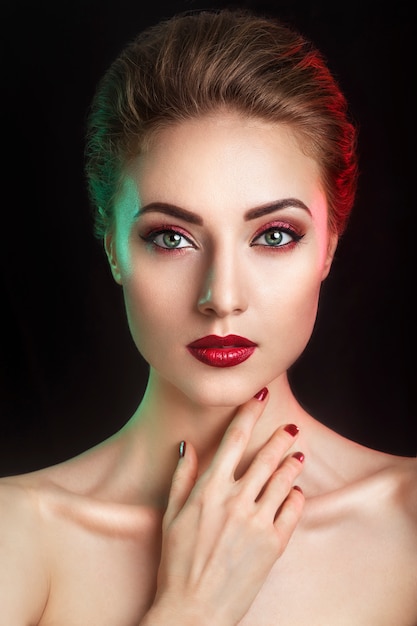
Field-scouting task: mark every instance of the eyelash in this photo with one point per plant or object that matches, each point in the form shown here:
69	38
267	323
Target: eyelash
150	237
278	227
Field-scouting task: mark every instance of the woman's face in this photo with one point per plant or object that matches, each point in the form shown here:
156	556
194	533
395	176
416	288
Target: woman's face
221	229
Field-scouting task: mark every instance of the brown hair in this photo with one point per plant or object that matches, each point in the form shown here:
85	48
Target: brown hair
193	64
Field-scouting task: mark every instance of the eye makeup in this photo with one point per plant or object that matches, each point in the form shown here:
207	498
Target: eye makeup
167	238
278	235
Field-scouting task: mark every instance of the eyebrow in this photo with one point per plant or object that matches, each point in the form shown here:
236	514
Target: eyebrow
278	205
170	209
193	218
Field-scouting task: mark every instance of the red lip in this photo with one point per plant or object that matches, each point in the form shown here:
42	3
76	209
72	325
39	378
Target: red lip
222	351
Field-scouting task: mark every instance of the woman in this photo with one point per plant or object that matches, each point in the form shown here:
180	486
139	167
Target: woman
221	163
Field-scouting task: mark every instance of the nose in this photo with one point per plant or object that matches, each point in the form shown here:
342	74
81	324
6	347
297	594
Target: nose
224	289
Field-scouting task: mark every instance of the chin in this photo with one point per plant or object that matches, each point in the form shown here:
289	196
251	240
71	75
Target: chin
221	394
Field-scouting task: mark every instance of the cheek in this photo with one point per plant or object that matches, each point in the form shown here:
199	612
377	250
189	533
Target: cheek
154	307
146	308
305	311
305	293
292	310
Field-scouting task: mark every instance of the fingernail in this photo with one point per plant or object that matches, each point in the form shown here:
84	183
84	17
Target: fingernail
299	456
182	447
261	395
297	488
292	429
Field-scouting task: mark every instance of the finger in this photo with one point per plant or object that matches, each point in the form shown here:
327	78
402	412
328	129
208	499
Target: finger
267	460
280	485
289	515
238	434
183	481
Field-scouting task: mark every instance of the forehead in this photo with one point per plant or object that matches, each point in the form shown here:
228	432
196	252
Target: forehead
224	161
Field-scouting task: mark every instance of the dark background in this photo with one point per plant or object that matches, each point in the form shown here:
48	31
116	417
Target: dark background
70	375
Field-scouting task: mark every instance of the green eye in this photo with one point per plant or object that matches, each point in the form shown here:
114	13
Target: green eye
277	237
171	239
274	237
167	239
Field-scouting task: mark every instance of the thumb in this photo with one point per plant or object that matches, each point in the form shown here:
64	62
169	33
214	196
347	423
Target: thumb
183	481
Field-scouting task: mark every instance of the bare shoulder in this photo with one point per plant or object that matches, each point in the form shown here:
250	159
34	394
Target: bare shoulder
400	477
391	495
23	571
371	523
396	529
27	532
18	507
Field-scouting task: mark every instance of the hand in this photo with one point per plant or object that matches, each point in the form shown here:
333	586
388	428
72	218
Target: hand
217	528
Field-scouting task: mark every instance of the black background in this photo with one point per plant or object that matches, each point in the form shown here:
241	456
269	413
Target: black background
70	375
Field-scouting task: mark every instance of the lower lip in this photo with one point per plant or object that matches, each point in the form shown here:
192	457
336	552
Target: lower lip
222	357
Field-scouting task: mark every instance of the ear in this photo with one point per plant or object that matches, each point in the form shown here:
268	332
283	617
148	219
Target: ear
111	252
331	249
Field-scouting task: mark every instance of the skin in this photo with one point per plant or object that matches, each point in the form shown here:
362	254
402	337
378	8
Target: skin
128	534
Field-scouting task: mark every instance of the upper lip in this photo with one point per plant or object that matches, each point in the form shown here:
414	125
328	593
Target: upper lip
214	341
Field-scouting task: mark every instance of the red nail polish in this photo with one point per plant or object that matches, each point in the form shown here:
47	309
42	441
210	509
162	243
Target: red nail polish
261	395
297	488
292	429
299	456
182	449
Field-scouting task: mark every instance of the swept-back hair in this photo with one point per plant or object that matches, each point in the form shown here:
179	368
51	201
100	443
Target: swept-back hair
194	64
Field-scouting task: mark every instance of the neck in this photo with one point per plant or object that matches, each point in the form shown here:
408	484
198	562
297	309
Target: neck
148	444
166	416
